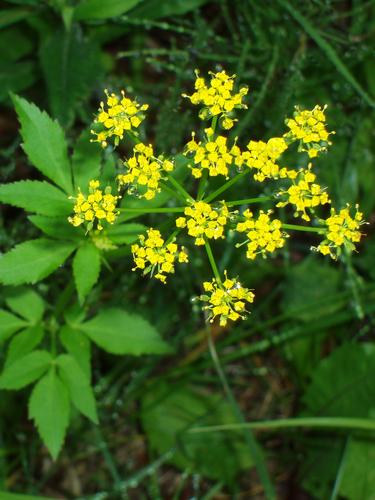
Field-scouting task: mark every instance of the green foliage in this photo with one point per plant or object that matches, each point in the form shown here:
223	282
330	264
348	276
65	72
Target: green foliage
24	342
169	412
78	345
32	261
35	196
71	66
118	332
27	303
86	268
56	227
49	408
78	385
86	161
25	370
95	9
44	143
9	324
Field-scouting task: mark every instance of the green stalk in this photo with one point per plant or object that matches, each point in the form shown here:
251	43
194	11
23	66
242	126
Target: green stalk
296	227
363	424
180	189
211	258
255	451
248	201
162	210
224	187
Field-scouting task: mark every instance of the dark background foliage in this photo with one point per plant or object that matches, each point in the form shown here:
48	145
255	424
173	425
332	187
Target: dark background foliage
306	348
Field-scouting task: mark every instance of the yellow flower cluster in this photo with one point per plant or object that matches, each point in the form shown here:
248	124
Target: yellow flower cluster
97	205
304	194
264	235
342	230
204	221
144	170
122	114
262	157
154	254
309	128
213	155
226	300
218	98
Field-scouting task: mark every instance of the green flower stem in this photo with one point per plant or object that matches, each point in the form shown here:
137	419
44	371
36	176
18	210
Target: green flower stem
255	450
179	188
162	210
173	236
248	201
214	123
224	187
363	424
172	192
202	185
211	258
295	227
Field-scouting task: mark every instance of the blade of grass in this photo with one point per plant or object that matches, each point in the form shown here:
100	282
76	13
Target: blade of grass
327	49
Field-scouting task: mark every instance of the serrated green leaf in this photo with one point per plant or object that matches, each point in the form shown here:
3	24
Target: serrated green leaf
121	234
358	480
9	324
49	408
79	346
78	385
33	260
86	269
119	332
36	196
71	67
97	9
86	161
57	227
25	370
44	143
25	302
169	411
23	343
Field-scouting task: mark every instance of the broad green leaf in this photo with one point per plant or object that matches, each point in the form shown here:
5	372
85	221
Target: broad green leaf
57	227
153	9
25	302
79	346
4	495
36	196
86	161
97	9
33	260
15	76
78	385
169	411
44	143
23	343
358	480
11	16
9	324
49	408
121	234
71	65
86	268
119	332
25	370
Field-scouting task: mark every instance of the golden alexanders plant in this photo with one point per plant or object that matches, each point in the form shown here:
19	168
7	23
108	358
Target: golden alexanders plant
206	215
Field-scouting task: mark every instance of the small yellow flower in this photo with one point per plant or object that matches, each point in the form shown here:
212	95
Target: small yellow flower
226	300
264	234
156	257
309	128
204	221
304	194
97	206
121	115
218	98
144	171
262	156
342	231
213	155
